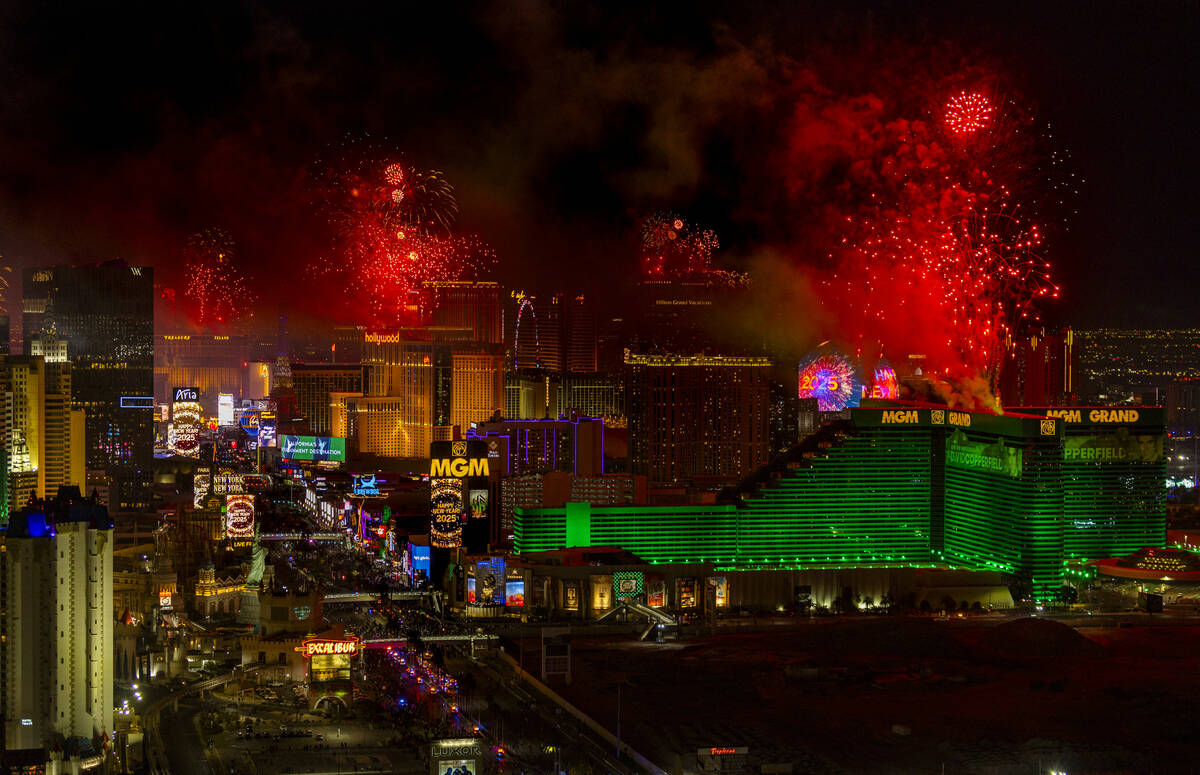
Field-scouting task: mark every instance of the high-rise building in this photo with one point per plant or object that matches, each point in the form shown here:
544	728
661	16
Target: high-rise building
56	649
784	409
211	363
893	485
676	316
1114	472
6	475
315	382
395	416
598	394
908	485
579	341
1040	371
1183	407
389	426
63	437
557	488
45	433
556	332
574	445
611	340
51	348
697	418
106	314
27	381
348	344
338	412
476	385
532	395
472	304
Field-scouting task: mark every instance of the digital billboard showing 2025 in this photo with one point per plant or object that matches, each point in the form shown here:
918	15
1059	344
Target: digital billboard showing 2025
316	448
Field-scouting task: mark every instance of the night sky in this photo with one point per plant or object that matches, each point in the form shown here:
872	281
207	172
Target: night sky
126	127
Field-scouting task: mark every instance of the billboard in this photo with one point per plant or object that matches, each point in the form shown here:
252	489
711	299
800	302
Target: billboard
832	379
446	513
489	581
315	448
1119	447
266	429
421	563
656	592
313	646
479	504
225	409
627	584
514	593
239	516
228	482
997	458
201	485
687	593
720	587
570	595
187	420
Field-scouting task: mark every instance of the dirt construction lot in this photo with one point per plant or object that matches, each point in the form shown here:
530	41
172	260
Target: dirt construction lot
907	695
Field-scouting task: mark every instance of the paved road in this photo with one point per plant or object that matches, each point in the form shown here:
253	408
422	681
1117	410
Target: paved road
527	716
184	749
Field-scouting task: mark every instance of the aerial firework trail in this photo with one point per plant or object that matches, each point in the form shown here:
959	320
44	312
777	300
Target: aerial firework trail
216	290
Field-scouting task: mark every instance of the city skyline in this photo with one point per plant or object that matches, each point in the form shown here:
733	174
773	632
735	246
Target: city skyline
532	387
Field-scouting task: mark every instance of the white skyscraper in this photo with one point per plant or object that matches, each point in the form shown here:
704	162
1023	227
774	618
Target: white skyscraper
57	648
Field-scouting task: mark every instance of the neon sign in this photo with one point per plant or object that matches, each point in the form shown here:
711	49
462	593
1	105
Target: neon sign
365	484
315	647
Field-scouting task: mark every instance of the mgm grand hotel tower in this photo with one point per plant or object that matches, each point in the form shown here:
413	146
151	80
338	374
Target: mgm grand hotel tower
1033	493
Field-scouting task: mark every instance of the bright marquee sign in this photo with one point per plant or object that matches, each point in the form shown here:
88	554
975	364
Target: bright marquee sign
316	646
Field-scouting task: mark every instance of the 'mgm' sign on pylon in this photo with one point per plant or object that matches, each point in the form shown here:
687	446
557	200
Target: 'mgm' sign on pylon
458	459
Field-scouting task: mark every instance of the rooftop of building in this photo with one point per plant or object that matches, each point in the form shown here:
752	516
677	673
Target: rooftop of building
1153	564
581	557
699	359
40	517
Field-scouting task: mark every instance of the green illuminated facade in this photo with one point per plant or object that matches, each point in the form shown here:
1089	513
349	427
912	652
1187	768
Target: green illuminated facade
1114	474
901	485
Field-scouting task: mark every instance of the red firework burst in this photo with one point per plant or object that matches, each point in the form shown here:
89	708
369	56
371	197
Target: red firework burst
967	113
383	265
674	250
963	285
392	232
216	289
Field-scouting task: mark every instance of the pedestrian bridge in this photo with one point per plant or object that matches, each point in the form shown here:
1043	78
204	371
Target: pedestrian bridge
373	597
320	537
400	642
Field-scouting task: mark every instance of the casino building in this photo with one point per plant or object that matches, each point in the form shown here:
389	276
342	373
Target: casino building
1114	469
903	485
